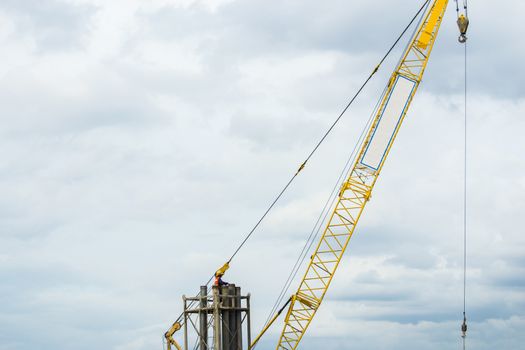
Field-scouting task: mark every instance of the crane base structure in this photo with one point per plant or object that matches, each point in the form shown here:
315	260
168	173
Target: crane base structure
217	319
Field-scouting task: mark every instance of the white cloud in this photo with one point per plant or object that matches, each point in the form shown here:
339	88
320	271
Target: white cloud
141	140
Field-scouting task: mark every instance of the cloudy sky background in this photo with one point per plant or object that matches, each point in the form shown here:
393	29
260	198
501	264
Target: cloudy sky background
139	142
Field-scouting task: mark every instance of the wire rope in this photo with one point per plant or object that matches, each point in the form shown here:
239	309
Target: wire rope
465	175
465	202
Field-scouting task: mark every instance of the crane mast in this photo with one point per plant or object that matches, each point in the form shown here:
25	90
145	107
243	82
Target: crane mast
357	188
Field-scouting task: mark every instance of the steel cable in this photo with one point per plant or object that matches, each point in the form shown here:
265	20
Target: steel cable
465	200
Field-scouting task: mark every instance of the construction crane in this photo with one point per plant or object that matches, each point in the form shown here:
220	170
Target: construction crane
356	190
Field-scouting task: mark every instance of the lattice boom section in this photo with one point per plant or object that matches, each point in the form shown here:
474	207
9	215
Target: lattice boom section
353	197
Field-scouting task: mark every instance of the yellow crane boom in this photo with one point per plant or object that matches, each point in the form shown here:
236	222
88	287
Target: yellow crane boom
356	190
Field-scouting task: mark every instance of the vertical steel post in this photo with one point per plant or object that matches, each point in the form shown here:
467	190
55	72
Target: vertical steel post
185	323
238	319
248	321
221	315
232	325
224	317
226	330
203	319
216	319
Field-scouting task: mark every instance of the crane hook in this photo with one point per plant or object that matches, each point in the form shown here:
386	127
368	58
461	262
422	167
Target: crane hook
463	26
464	327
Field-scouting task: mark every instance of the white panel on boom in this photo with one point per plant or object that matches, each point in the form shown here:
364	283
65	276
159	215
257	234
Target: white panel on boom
393	111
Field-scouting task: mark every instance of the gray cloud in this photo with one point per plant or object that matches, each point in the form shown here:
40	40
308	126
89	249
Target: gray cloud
53	25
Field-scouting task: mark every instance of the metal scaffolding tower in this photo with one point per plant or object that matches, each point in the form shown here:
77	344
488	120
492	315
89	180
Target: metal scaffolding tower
215	319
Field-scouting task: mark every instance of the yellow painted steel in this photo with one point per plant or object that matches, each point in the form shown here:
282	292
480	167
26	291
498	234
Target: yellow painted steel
220	272
169	336
252	345
356	190
427	33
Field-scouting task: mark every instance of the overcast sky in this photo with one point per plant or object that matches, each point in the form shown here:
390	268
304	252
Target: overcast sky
141	140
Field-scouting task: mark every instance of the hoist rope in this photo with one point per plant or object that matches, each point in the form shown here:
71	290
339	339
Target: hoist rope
465	200
465	173
465	7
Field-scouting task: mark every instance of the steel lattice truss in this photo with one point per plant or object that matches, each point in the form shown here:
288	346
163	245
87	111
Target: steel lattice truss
356	190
